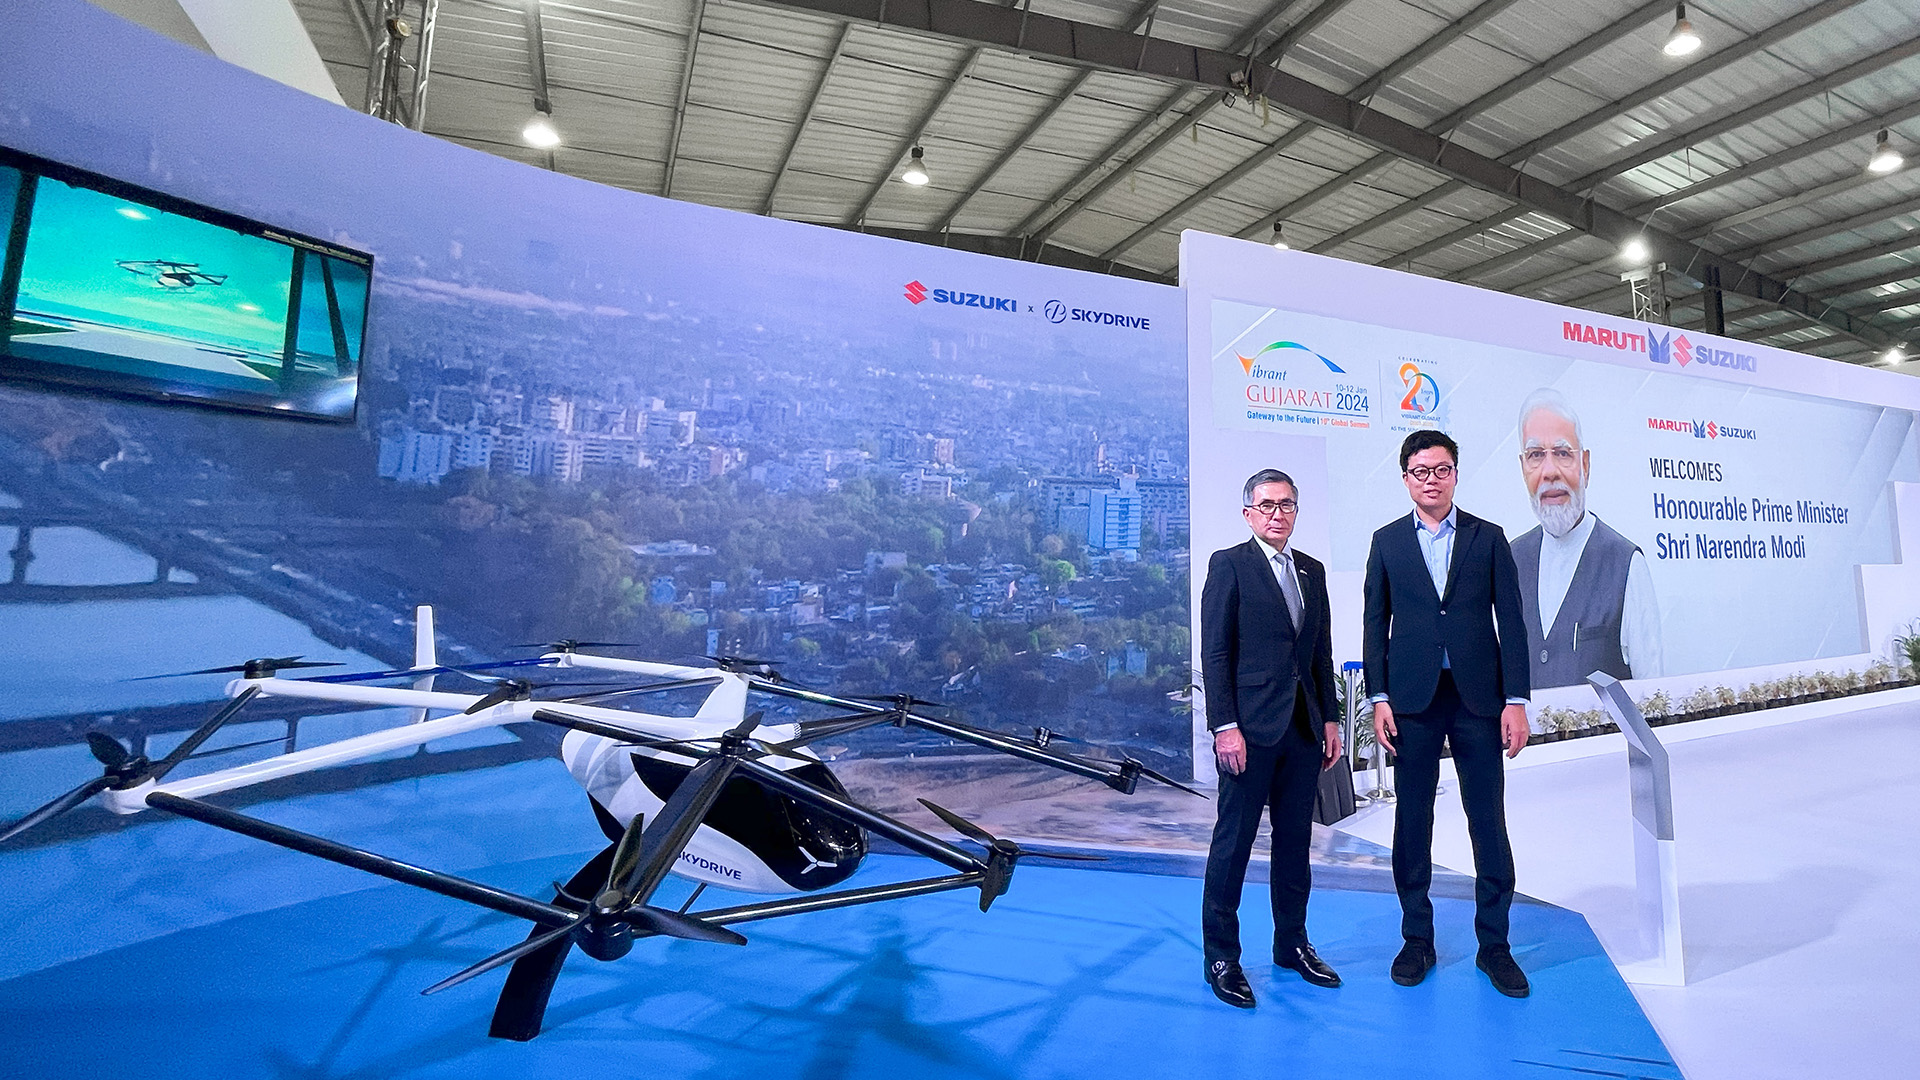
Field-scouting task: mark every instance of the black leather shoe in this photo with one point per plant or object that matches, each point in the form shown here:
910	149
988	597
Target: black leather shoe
1503	973
1229	984
1415	960
1303	959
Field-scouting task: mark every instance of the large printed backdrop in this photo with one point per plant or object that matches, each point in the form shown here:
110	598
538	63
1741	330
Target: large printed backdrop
589	413
1756	483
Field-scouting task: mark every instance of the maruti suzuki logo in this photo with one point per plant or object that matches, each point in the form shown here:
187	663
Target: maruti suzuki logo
916	292
1660	349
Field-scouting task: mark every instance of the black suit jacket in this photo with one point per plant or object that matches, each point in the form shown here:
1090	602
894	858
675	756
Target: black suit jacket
1252	663
1408	625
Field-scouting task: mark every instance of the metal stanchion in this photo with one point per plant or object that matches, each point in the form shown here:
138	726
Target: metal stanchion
1353	673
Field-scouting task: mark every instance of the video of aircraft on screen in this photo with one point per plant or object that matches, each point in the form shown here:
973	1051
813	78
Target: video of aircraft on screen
113	288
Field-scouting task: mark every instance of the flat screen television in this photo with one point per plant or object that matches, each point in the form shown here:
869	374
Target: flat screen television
108	286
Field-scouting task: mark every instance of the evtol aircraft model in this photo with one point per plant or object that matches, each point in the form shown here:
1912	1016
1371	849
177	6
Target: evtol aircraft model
718	797
170	274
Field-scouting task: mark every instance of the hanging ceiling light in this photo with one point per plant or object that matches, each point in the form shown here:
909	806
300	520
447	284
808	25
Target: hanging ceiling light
916	172
1892	356
540	132
1682	41
1279	241
1635	251
1885	158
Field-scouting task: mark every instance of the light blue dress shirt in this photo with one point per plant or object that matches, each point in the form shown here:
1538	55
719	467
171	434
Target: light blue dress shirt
1436	547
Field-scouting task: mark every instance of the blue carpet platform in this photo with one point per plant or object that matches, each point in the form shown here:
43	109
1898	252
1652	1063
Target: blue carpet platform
170	950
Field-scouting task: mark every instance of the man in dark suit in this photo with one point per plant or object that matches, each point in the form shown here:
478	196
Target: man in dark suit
1266	660
1440	582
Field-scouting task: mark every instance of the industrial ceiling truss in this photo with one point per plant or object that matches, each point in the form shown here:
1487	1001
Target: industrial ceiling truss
1540	147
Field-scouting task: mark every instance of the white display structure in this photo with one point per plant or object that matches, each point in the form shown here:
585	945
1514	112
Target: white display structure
1758	485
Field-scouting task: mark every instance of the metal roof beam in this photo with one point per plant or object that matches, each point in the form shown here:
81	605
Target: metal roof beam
1896	246
363	22
680	102
1516	256
1320	194
1212	71
1555	64
1759	110
536	55
1888	302
1873	281
919	132
1471	229
1827	228
1142	18
1390	215
1540	72
1766	210
1699	69
1224	181
806	117
1246	39
1786	156
1425	51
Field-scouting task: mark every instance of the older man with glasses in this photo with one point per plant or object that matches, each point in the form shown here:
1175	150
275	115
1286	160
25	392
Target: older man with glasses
1266	660
1585	590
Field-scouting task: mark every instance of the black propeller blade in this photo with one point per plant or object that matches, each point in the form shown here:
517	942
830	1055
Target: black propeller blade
1043	737
262	667
746	665
107	750
522	690
1132	765
505	956
604	930
616	901
567	645
122	766
1001	854
59	806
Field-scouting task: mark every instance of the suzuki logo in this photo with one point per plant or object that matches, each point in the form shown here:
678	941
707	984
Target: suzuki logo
916	292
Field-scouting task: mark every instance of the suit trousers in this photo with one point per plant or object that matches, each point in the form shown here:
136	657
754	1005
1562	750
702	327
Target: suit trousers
1483	785
1282	779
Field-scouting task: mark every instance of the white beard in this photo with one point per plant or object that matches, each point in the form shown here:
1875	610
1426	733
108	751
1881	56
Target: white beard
1559	520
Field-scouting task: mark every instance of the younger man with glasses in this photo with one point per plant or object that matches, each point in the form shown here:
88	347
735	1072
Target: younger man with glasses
1266	659
1438	582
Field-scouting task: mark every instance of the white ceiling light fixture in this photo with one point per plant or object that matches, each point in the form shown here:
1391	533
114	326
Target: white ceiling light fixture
540	132
1682	40
1892	356
1636	252
1279	241
916	171
1885	158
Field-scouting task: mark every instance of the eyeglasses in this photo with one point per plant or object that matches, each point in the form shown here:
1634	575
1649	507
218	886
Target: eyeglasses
1437	472
1563	456
1268	509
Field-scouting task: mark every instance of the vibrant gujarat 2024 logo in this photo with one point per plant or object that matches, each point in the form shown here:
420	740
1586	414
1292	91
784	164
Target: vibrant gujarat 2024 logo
1247	362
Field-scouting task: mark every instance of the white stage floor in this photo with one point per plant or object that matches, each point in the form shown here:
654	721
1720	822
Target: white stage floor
1799	875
